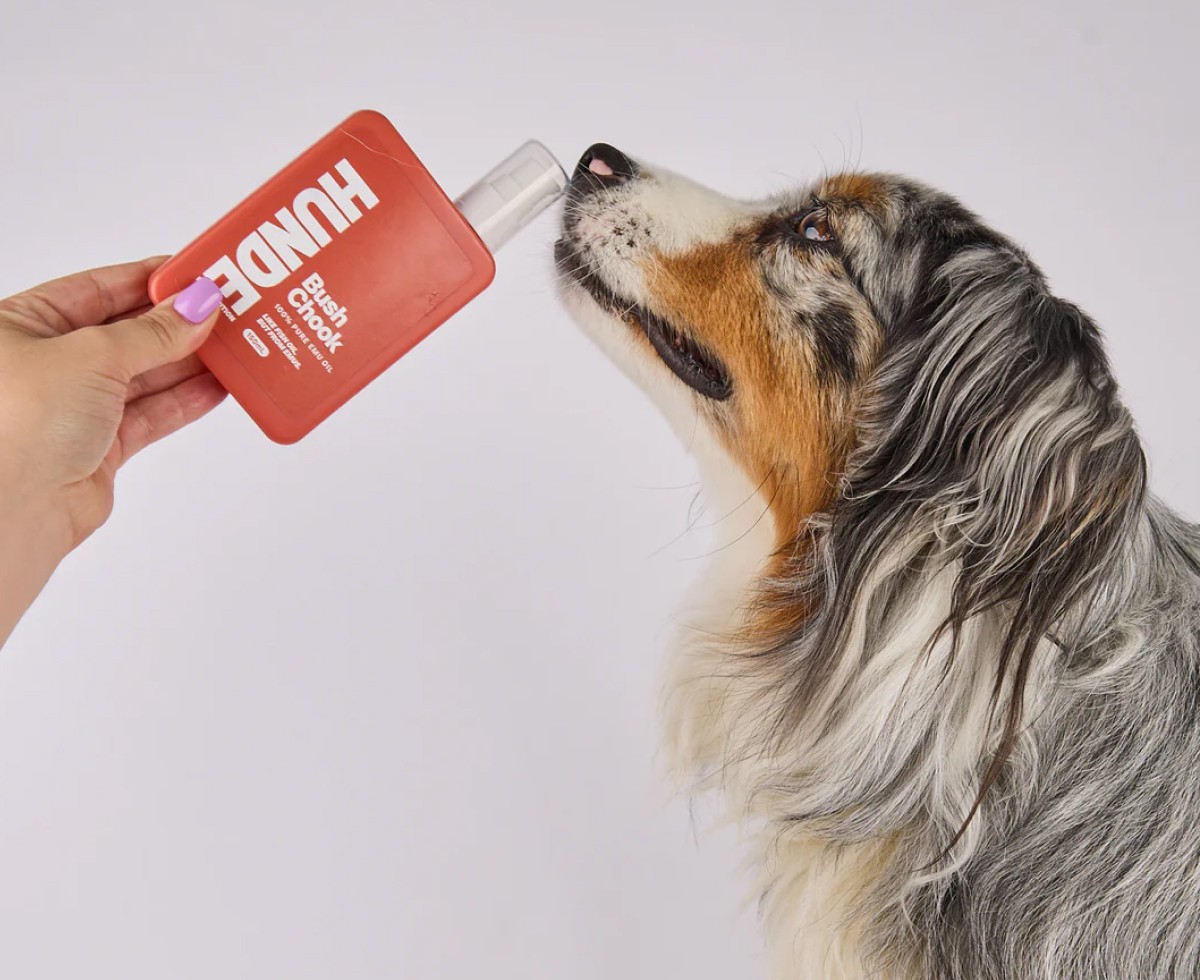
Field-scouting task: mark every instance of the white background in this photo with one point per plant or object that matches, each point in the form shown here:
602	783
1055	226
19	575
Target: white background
382	704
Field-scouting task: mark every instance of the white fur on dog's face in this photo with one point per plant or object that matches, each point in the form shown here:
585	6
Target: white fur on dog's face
618	233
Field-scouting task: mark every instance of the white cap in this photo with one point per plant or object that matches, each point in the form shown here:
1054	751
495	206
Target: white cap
512	193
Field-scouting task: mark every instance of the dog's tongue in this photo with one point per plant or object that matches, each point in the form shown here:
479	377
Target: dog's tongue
600	168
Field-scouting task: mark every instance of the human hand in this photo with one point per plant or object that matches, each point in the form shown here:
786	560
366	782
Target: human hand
90	374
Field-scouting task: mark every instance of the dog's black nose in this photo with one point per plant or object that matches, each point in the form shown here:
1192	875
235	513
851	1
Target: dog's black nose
602	166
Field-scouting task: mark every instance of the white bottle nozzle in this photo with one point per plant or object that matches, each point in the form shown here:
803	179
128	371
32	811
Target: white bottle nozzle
511	194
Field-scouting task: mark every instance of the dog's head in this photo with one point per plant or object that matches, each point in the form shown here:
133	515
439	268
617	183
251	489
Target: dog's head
753	319
896	379
770	320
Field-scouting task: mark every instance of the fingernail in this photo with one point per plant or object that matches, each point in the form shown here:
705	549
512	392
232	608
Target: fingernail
196	303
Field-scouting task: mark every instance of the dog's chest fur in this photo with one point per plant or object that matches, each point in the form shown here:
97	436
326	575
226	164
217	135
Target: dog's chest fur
807	891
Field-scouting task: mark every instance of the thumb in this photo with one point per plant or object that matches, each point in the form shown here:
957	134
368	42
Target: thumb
167	332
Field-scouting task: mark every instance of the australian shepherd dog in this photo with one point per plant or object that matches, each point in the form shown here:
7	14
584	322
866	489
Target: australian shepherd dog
945	666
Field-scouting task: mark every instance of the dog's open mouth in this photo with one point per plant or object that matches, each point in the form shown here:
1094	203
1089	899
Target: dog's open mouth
693	363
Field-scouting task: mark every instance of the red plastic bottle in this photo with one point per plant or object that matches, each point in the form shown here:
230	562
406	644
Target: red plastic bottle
342	262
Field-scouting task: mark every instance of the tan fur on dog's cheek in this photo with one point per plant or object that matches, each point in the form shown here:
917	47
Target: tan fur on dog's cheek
779	431
797	469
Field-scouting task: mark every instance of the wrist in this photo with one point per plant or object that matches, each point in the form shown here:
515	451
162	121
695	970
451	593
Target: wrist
31	547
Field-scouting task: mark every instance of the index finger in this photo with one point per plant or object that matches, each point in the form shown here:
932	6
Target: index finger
89	297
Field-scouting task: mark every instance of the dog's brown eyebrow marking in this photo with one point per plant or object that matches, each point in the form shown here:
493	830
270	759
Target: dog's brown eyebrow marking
855	188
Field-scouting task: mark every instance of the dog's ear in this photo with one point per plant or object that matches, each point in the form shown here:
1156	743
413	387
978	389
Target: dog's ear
992	434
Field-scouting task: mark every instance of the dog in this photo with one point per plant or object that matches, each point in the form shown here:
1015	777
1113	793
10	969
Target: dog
945	664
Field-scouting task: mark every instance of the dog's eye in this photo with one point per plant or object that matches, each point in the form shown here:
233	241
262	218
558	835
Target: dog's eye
814	226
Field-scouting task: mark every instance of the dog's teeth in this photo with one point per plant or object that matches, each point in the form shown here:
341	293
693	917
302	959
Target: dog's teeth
600	168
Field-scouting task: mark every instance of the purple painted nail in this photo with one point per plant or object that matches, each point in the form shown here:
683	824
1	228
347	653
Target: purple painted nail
197	302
